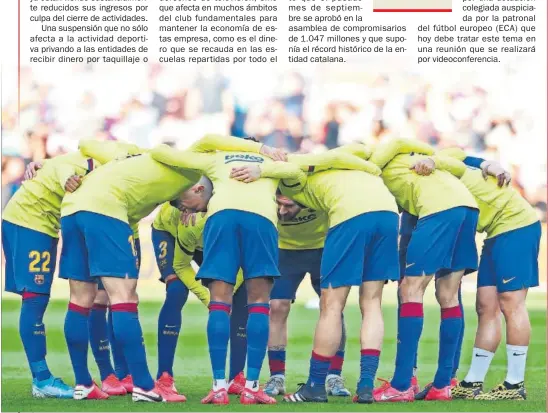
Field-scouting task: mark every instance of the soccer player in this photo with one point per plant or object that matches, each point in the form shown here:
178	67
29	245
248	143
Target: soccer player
98	243
442	245
189	247
301	232
30	226
175	246
513	230
240	232
361	249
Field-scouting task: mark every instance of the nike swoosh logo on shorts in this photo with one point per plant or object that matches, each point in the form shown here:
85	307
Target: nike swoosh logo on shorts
409	265
507	281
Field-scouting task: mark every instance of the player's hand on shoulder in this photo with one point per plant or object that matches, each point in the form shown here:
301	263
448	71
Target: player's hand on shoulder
246	174
275	154
424	167
32	170
188	218
73	183
496	170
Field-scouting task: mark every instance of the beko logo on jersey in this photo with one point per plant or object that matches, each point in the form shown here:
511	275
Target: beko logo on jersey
243	158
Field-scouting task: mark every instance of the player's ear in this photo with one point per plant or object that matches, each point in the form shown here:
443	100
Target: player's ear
200	189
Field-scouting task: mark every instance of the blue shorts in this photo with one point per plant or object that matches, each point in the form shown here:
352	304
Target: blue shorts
443	243
509	261
364	248
30	259
137	242
294	265
164	249
95	245
236	239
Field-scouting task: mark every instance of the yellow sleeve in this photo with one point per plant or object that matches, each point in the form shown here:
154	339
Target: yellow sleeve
107	151
185	272
63	172
359	149
135	229
282	170
333	160
239	280
456	153
182	159
384	153
212	143
451	165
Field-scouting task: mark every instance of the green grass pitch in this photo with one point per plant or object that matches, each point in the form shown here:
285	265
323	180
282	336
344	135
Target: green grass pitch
192	367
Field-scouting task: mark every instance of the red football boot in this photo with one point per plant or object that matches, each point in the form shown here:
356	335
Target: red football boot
166	388
443	394
454	382
113	387
258	396
216	397
89	393
236	386
415	384
127	382
387	393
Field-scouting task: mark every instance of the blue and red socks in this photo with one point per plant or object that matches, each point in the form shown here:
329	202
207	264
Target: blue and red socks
77	337
369	363
336	363
450	330
276	362
120	364
169	324
257	338
218	333
238	334
456	362
127	330
410	322
319	365
33	333
98	339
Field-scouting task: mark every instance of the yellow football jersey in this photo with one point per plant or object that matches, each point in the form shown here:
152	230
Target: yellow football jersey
304	232
37	204
167	219
419	195
501	209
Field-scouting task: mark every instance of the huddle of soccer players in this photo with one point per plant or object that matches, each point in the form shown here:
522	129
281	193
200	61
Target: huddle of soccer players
271	218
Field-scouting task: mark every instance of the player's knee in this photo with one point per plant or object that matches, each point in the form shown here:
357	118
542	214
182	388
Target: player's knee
279	310
258	290
412	289
82	293
101	298
176	292
447	298
331	305
511	303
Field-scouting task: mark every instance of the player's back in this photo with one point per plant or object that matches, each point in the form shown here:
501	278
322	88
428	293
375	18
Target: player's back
344	194
128	189
37	204
257	197
501	209
307	230
424	195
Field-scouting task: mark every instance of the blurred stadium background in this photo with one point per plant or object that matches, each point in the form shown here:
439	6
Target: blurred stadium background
487	112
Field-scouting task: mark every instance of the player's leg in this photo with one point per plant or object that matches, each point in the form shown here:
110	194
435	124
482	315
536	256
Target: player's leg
104	236
219	269
381	264
120	364
238	341
100	345
30	265
170	317
283	292
456	362
447	295
259	262
514	277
